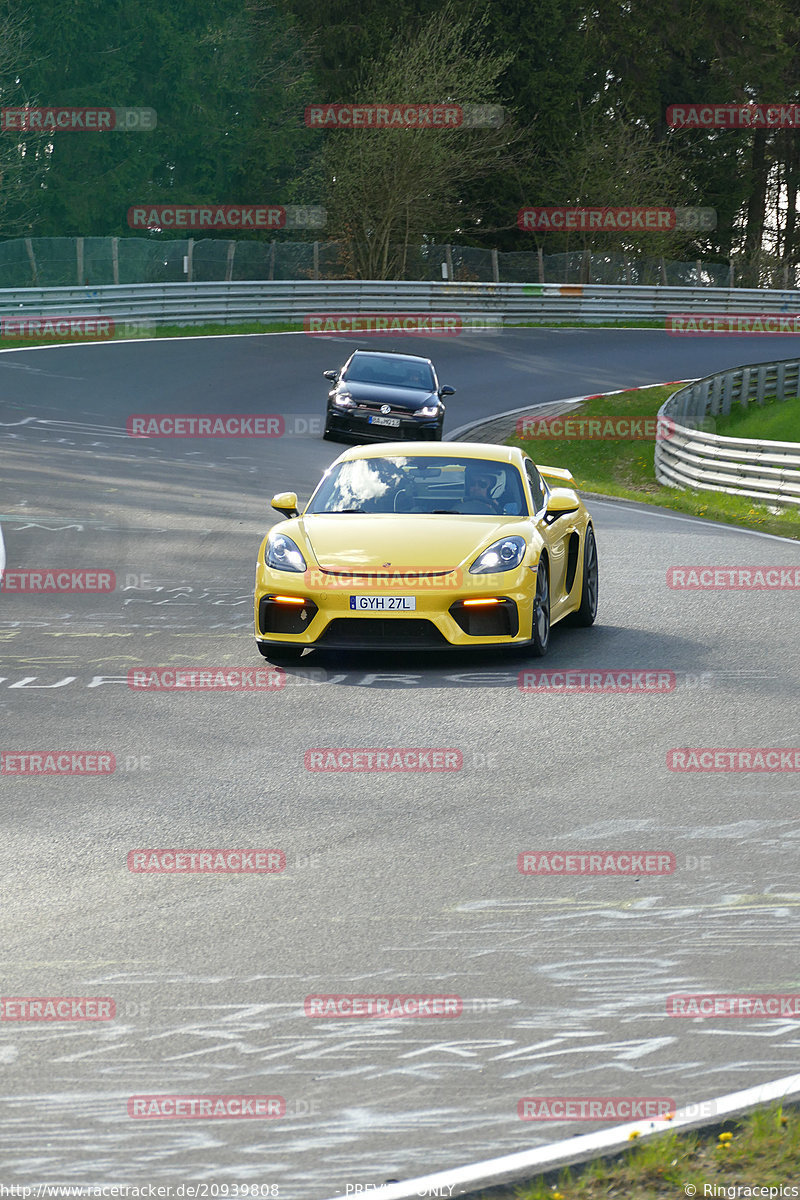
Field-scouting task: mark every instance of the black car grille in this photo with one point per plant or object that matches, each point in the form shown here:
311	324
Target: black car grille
411	633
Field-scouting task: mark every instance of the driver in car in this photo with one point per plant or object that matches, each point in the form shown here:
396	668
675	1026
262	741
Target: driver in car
477	489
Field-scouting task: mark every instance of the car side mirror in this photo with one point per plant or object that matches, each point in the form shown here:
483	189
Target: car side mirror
332	375
447	390
286	504
560	502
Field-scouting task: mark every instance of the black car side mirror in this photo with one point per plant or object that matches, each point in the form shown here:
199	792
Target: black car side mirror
332	375
447	390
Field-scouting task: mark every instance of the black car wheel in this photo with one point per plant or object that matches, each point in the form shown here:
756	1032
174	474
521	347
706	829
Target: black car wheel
540	625
587	612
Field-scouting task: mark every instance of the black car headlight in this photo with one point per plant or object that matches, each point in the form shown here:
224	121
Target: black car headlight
283	554
430	410
343	400
500	556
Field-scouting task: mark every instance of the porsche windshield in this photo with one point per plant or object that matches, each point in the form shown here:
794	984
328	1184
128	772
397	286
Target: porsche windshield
421	485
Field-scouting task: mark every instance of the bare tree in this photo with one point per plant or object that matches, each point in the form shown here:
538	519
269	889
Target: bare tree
388	189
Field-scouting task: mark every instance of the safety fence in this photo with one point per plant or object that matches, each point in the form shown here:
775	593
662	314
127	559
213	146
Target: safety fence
97	261
686	456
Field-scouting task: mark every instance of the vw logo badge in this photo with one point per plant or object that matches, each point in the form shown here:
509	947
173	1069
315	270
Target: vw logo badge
386	408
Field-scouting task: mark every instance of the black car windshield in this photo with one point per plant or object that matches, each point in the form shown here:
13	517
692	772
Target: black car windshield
421	484
389	372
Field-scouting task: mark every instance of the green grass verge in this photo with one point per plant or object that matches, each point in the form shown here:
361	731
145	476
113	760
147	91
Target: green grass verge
777	421
626	468
761	1149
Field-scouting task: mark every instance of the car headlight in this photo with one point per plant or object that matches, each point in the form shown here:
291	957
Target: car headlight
283	554
432	410
500	556
343	400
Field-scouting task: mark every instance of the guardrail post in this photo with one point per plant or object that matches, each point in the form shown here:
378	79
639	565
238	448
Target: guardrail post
115	259
731	275
316	260
271	274
189	255
780	382
495	267
540	256
744	394
448	258
229	262
761	380
79	257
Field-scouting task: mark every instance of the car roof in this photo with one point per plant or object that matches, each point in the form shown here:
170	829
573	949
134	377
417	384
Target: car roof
392	353
483	450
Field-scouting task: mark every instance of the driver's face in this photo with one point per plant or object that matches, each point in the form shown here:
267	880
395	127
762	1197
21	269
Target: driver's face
479	487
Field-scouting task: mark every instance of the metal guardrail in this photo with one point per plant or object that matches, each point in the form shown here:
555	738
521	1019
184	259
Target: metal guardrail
688	456
499	303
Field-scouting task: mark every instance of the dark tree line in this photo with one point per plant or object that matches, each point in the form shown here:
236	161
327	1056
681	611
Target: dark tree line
585	88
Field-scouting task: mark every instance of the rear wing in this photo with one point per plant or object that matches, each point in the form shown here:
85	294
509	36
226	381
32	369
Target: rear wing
561	474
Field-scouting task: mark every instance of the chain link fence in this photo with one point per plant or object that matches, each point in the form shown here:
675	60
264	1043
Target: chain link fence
92	262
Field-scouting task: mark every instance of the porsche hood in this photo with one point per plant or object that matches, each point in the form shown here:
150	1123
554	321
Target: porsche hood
355	542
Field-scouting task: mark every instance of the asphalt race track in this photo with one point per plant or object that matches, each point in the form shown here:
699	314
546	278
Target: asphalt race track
395	882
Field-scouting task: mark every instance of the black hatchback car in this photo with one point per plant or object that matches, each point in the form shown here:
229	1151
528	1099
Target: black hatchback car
381	396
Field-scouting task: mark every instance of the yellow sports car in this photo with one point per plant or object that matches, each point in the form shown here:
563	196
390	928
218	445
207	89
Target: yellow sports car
410	546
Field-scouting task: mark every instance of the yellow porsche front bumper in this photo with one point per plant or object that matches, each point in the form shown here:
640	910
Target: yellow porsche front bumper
411	609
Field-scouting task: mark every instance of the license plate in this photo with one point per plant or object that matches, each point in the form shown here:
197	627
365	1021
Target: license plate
393	421
383	603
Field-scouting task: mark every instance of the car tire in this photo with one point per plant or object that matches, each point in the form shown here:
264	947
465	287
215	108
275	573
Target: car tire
587	612
540	619
280	654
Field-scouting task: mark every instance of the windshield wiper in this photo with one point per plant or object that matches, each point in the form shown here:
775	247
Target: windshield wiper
347	510
454	511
